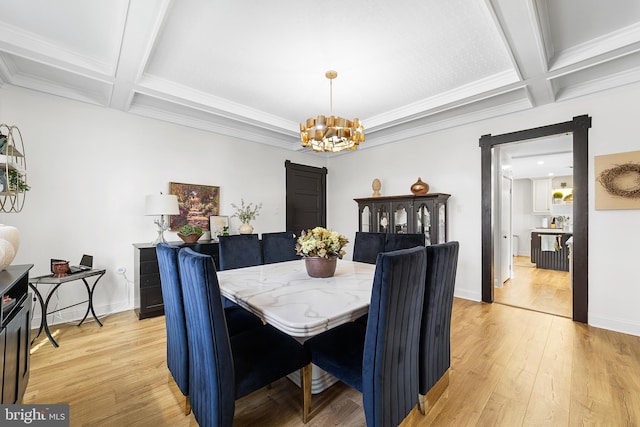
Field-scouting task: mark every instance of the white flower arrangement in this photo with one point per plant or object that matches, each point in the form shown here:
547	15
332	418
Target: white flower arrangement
246	213
321	242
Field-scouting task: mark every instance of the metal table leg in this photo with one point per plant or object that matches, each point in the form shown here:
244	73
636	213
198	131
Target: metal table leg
42	310
44	318
90	306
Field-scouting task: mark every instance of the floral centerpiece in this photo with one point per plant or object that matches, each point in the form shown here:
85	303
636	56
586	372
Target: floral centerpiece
321	242
321	249
246	214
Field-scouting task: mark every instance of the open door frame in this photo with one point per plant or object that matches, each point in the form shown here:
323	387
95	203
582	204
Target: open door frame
579	127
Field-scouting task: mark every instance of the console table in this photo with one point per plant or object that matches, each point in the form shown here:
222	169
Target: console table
57	281
148	291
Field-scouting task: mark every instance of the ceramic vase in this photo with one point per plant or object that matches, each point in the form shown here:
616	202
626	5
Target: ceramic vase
246	228
9	243
420	188
321	267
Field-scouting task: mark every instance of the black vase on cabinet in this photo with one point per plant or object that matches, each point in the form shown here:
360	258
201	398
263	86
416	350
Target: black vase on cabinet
405	214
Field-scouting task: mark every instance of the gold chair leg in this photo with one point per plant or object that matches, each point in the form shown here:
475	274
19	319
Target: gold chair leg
422	403
187	405
305	380
426	401
181	398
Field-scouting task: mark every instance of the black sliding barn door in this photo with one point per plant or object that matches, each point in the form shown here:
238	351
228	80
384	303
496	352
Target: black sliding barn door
306	197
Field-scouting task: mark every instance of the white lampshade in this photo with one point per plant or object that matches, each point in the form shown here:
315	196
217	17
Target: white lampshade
161	204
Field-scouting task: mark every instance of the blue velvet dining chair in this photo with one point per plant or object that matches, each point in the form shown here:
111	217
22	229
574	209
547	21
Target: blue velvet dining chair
367	246
238	319
394	241
237	251
435	332
223	368
279	247
380	358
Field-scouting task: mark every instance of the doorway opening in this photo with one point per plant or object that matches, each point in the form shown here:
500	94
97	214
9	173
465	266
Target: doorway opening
530	173
578	128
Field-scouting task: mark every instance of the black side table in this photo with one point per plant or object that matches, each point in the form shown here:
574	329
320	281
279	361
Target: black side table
57	281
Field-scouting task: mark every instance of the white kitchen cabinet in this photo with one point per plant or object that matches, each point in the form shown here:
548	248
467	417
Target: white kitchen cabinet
542	194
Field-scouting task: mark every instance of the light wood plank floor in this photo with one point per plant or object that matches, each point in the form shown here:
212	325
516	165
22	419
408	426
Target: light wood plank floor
510	367
537	289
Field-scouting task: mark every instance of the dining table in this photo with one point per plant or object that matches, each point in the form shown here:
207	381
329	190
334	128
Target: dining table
286	297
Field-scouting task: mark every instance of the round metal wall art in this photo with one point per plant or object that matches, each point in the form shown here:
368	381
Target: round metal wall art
610	180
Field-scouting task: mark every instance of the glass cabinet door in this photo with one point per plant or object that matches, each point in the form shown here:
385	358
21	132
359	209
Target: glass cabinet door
442	225
401	212
423	221
365	219
382	218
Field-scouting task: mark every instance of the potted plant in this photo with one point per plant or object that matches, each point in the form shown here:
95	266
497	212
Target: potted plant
246	214
557	196
321	249
16	181
190	233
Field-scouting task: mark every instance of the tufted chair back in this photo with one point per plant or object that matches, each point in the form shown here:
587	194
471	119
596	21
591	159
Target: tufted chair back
242	250
435	340
279	247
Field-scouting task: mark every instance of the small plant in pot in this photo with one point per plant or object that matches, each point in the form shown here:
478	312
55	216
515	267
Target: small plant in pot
246	214
190	233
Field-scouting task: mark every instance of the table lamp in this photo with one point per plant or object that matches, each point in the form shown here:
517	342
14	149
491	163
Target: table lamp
161	205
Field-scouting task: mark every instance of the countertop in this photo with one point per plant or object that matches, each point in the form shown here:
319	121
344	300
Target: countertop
551	231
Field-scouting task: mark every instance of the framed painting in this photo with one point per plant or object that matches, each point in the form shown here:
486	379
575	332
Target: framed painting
196	203
217	225
617	181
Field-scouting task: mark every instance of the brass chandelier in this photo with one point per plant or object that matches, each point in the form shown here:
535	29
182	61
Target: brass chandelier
333	133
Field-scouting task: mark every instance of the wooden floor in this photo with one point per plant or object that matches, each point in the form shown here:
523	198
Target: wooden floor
537	289
510	367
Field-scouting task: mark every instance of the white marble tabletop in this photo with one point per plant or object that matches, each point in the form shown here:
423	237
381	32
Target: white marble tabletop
284	295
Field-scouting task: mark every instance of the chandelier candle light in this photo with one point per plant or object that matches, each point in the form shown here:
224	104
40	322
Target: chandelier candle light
333	133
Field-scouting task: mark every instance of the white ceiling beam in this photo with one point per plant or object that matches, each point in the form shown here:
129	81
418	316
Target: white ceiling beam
522	25
144	24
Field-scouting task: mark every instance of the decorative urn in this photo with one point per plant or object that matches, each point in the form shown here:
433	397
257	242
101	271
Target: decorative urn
9	243
420	188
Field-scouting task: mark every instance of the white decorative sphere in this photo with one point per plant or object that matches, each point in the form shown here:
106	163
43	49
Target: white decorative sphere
9	244
7	254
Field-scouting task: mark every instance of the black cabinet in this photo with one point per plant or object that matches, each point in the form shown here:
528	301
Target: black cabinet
15	329
148	291
405	214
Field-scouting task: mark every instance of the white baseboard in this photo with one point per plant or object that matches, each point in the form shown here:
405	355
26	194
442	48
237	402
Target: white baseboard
616	325
464	294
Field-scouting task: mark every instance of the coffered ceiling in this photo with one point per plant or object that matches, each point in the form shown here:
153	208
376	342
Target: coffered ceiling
255	69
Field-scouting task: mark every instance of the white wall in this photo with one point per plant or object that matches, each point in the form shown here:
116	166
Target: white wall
449	161
90	168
